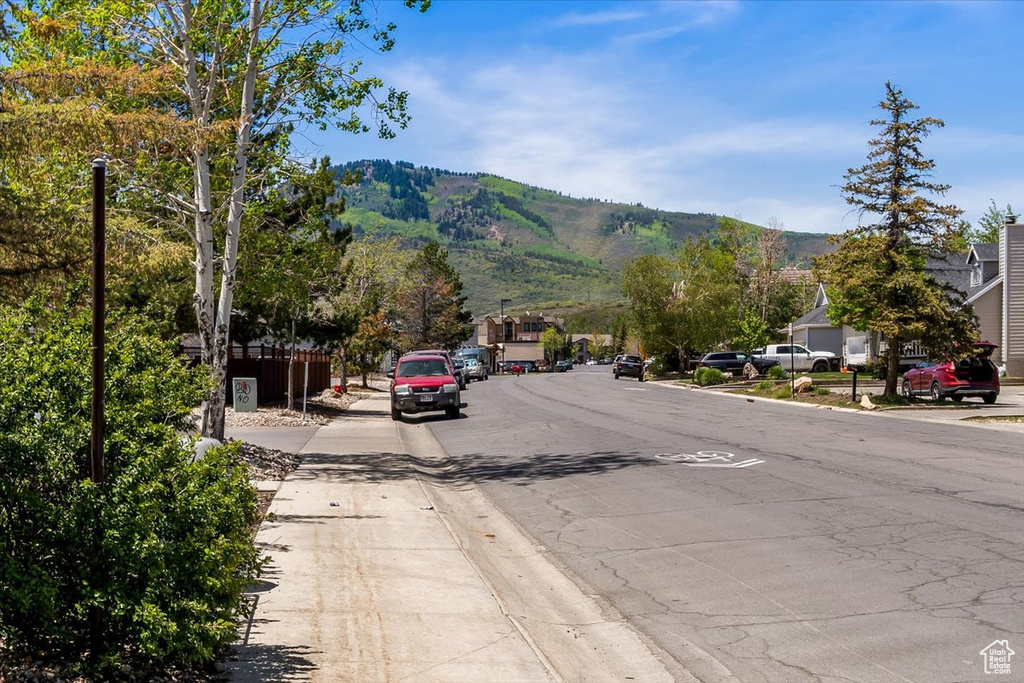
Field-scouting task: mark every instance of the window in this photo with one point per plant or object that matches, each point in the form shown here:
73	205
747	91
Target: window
509	331
976	275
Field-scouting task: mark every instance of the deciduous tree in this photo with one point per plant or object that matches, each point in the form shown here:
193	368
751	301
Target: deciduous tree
236	77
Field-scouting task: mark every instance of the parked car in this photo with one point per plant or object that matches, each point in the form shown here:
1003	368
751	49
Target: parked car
475	370
457	366
629	366
798	358
967	374
422	383
733	362
563	366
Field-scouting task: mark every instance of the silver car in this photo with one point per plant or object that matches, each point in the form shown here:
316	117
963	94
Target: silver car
475	370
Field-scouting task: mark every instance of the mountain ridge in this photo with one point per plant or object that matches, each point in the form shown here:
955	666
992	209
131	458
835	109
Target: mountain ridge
511	240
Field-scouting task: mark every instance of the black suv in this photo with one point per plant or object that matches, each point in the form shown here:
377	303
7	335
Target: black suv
629	366
732	362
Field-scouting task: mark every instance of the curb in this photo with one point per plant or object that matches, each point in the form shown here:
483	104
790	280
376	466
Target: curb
891	411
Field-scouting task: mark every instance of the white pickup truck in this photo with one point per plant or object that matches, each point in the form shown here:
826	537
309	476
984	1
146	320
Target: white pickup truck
802	358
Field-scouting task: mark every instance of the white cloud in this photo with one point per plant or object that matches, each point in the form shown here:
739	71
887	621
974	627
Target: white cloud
675	18
615	16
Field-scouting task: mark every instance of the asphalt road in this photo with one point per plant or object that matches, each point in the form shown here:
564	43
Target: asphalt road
762	542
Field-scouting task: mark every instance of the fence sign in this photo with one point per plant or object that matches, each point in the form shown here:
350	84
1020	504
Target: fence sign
244	391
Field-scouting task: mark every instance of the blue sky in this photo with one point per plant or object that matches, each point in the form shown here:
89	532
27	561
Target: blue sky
748	109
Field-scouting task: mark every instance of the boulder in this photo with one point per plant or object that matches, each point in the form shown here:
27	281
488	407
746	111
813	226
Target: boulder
803	385
865	402
750	372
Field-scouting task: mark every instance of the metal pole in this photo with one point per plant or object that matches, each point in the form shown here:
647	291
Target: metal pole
792	366
99	301
503	340
99	282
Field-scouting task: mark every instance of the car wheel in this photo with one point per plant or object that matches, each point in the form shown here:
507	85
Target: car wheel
616	375
989	398
905	389
936	393
452	412
396	414
820	366
640	377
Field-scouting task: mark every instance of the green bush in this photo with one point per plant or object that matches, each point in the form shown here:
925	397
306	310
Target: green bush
764	385
163	547
657	368
785	391
777	372
707	376
822	391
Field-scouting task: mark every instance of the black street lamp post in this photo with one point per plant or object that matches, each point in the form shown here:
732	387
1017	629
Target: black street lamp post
503	340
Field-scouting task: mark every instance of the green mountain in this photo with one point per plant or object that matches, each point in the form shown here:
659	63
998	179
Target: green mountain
514	241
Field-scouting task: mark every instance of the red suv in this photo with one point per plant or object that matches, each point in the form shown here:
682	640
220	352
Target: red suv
970	374
421	383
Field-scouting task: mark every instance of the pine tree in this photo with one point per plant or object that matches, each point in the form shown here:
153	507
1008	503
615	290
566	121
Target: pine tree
878	277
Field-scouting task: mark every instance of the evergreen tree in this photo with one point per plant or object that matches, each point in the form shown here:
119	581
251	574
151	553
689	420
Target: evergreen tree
431	303
877	279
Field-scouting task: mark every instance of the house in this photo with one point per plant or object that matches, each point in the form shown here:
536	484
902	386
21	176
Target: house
996	291
814	330
585	345
516	337
991	276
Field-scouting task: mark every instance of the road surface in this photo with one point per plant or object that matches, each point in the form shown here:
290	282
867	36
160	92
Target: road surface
762	542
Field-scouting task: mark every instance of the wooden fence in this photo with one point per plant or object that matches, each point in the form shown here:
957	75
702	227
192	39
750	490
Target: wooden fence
269	365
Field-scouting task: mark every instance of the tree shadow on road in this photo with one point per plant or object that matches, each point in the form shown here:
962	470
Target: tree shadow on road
468	469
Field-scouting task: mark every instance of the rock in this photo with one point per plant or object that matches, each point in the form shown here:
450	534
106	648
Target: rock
803	385
865	402
750	372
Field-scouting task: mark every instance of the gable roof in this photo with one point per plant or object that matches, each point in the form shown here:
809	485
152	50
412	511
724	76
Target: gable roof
952	270
817	317
983	251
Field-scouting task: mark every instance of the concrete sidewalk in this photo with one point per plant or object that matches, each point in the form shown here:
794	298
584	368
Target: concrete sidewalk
372	579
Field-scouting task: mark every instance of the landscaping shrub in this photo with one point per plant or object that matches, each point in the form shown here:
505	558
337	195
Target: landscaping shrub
895	400
708	376
783	392
822	391
657	368
777	372
764	385
163	546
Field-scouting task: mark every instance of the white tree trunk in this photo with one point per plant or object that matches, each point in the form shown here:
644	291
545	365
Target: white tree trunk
236	208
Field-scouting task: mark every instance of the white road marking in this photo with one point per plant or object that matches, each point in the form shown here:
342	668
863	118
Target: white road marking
745	463
707	458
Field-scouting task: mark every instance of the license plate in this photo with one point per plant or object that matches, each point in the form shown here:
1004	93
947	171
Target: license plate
426	398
